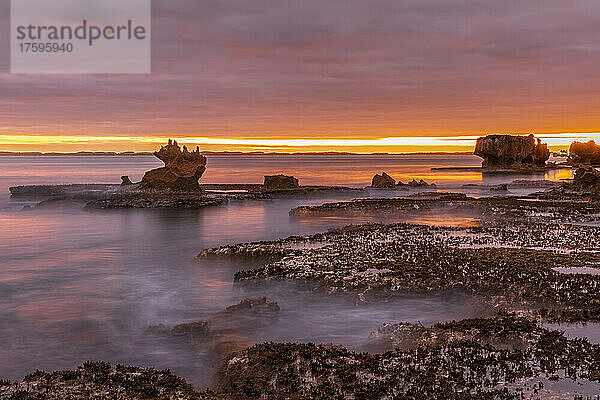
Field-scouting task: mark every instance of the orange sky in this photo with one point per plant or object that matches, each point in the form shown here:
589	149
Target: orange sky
289	75
355	145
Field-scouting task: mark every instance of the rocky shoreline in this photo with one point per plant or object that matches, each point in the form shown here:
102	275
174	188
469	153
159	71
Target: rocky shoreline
501	357
529	261
512	266
106	196
506	355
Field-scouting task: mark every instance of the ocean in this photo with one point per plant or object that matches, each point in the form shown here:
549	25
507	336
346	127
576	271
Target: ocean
79	285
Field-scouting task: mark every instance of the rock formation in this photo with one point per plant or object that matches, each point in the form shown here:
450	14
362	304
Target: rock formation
279	182
584	153
258	306
512	152
125	181
586	180
585	186
181	171
415	183
383	181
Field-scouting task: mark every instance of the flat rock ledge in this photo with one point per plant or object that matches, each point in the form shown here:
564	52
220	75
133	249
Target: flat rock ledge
512	266
156	200
107	196
536	208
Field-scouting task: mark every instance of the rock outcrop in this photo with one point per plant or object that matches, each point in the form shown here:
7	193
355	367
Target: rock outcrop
181	171
125	181
191	329
511	152
584	153
383	180
280	182
586	180
258	306
417	184
585	186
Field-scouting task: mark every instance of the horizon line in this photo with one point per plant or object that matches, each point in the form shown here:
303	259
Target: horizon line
376	145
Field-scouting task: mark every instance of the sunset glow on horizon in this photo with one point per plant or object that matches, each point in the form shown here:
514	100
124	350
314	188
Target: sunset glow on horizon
66	143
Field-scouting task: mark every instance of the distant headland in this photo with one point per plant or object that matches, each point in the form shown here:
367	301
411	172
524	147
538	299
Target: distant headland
219	153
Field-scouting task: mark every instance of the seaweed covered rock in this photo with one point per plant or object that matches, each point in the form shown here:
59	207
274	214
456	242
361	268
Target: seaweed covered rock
100	380
383	180
512	152
584	153
191	329
259	306
465	359
181	171
280	182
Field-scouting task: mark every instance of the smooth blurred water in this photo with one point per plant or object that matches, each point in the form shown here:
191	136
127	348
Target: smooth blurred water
77	285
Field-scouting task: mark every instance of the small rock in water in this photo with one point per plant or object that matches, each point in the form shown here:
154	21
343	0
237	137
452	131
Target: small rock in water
383	180
254	306
191	329
280	182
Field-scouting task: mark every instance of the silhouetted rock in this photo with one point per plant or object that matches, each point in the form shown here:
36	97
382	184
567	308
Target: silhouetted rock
125	181
280	182
181	171
586	179
512	152
383	181
417	184
584	153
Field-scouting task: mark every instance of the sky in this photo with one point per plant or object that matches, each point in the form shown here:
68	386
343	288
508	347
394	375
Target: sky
335	75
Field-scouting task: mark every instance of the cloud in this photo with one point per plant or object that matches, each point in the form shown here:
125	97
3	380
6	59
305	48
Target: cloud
243	68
